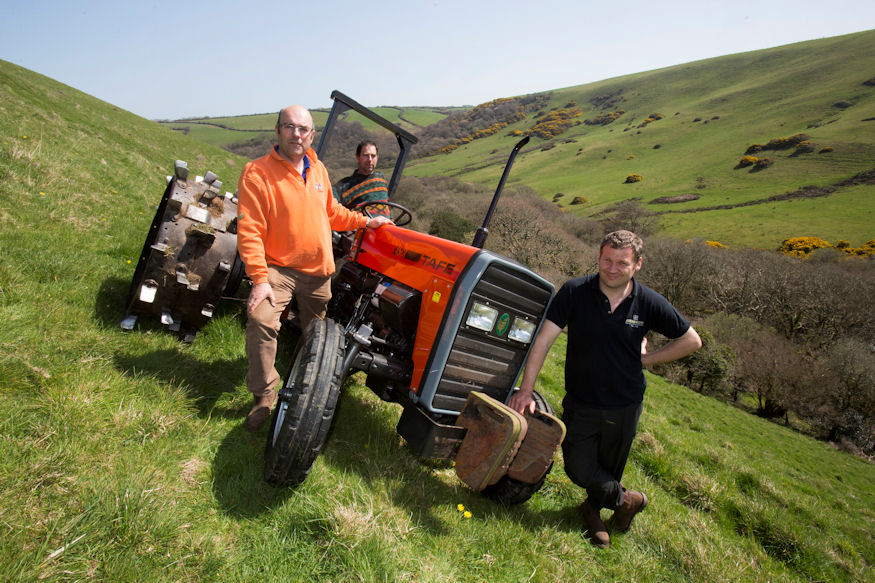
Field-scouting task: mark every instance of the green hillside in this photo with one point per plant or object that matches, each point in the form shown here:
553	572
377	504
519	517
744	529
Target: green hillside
123	456
711	112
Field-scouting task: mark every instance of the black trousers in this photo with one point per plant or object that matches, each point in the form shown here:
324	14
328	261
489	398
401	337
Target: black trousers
596	447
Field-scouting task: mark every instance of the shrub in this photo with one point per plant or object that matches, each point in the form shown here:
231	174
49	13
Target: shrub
604	118
633	178
802	246
650	119
763	163
555	122
579	200
867	250
804	147
449	225
842	104
826	149
747	161
716	244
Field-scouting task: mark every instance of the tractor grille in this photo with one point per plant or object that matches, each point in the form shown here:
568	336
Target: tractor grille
489	362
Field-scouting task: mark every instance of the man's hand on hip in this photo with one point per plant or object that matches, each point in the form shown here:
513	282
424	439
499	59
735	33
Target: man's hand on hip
259	293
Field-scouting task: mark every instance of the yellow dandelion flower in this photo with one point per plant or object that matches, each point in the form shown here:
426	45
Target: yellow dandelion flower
460	508
23	137
129	260
42	193
467	514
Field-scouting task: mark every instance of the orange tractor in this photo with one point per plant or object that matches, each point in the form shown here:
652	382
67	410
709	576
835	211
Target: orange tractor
440	327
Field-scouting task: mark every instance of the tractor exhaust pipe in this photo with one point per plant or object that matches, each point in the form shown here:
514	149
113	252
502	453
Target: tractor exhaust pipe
483	231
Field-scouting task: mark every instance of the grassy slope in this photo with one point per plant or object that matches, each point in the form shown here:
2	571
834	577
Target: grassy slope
123	455
757	96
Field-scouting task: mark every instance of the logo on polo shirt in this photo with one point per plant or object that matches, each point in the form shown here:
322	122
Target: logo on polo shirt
634	322
319	187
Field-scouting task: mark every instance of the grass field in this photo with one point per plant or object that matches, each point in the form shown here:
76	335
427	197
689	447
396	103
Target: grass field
123	456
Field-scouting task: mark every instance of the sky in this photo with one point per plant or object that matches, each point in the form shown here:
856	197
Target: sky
167	60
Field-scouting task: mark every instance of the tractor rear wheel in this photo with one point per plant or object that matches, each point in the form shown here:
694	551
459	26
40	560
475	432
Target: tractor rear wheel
509	491
306	404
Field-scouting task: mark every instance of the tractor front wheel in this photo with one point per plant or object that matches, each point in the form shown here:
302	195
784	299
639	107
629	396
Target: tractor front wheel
306	404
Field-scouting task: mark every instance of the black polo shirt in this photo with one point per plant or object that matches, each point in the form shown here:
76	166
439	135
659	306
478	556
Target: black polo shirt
603	359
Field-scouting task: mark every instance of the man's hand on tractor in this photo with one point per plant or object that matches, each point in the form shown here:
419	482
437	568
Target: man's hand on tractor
522	401
378	221
259	293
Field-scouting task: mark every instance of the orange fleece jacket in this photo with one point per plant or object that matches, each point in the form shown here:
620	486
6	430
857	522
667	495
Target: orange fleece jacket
286	222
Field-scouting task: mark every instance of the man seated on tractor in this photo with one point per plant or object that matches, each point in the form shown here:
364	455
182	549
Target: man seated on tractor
365	184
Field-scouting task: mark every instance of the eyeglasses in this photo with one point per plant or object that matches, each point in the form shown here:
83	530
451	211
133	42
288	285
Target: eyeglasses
290	127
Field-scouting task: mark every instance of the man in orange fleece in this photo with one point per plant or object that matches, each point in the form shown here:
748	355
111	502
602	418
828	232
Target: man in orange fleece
287	213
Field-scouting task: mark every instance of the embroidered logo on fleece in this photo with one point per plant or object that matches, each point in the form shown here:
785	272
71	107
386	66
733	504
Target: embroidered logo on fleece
319	187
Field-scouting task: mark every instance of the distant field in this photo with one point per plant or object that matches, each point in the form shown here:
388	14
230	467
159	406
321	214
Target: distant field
422	117
219	131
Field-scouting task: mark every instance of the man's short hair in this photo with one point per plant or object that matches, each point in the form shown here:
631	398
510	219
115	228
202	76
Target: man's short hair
624	240
362	144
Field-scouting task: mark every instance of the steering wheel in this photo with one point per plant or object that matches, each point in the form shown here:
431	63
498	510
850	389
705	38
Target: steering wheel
403	217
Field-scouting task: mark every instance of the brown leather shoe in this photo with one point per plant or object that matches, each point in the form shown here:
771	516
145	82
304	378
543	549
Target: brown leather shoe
598	534
633	503
260	411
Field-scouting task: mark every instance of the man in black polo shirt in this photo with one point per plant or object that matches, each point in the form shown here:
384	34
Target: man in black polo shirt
607	316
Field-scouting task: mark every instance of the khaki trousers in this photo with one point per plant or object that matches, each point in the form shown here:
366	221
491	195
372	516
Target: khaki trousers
263	324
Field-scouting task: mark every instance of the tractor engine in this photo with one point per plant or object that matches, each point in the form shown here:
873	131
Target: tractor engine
368	303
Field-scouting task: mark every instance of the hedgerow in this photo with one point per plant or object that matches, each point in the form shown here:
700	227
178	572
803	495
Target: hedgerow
804	246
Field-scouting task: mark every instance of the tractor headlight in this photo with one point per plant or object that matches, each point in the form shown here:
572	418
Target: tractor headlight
482	317
522	330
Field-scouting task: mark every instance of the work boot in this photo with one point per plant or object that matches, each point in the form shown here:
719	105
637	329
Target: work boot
260	411
598	534
633	503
